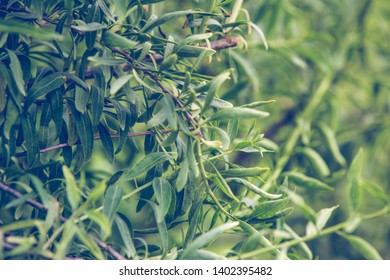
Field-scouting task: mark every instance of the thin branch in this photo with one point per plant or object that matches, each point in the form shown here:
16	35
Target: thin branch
224	43
41	207
97	137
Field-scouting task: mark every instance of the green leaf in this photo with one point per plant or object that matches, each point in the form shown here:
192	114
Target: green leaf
67	236
44	131
119	83
85	27
207	238
330	140
97	104
73	193
168	62
355	182
107	144
84	130
169	16
106	11
191	157
57	108
123	133
316	162
363	247
89	243
376	191
43	87
118	41
38	185
237	113
170	139
163	193
182	177
254	188
13	26
195	51
217	103
304	181
93	16
170	111
110	61
102	221
214	88
244	172
161	226
204	255
261	34
17	72
81	99
124	231
145	164
268	209
322	218
298	200
120	112
112	200
97	191
145	51
30	138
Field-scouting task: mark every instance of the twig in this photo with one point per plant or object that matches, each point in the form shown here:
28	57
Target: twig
97	137
224	43
41	207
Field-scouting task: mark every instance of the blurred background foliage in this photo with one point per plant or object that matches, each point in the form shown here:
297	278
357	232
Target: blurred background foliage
324	80
348	40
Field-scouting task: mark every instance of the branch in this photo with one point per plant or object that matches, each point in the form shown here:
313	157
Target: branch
41	207
97	137
217	45
224	43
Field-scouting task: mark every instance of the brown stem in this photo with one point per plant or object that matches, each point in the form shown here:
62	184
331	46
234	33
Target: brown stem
97	137
217	45
41	207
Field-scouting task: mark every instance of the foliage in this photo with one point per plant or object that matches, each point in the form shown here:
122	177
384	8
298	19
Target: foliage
134	129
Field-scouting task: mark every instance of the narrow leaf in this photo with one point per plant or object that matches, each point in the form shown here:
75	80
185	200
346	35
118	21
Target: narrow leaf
235	113
214	88
307	182
97	104
17	72
207	238
111	202
163	192
355	182
101	220
72	191
363	247
331	142
145	164
43	87
124	232
107	144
